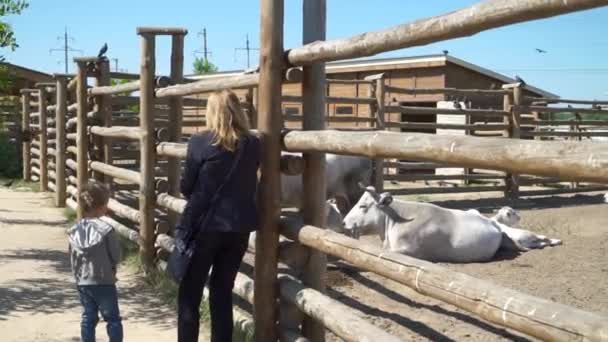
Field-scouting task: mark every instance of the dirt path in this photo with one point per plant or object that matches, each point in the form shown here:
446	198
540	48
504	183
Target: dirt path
38	299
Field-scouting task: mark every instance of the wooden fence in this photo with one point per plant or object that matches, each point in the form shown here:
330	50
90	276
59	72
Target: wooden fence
91	139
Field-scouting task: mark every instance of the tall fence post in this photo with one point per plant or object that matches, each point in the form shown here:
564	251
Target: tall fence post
82	141
175	120
378	171
147	148
44	161
313	178
61	113
26	134
103	112
512	102
269	125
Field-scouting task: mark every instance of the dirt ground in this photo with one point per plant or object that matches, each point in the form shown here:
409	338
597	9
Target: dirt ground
575	273
38	298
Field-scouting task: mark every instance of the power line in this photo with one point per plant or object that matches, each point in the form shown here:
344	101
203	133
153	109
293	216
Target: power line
246	48
66	48
205	51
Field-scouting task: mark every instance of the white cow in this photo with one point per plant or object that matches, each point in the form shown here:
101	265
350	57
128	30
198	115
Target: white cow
343	173
427	231
606	197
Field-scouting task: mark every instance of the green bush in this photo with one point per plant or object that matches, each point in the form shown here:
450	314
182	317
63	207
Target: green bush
9	155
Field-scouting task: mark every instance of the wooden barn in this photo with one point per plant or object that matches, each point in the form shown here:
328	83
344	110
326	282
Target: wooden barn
20	77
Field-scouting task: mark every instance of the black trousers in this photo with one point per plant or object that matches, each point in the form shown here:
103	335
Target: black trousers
223	251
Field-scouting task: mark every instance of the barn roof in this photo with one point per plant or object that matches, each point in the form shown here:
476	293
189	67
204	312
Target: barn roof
27	73
402	63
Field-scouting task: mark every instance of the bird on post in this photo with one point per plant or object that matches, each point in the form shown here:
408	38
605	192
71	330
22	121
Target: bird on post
445	52
520	80
103	51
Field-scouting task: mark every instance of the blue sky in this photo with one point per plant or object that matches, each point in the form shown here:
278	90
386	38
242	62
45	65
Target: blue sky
576	64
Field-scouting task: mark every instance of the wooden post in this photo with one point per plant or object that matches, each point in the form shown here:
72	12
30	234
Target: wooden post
175	120
44	161
378	171
147	149
82	141
313	178
513	187
507	133
27	135
251	107
60	120
103	110
269	126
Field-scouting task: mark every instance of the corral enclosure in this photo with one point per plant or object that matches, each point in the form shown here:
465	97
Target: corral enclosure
74	129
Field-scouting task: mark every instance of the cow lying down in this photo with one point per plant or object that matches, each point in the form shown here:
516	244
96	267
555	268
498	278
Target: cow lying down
429	232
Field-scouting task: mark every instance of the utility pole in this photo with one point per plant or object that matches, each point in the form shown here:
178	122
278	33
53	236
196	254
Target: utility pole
206	53
115	64
246	48
66	48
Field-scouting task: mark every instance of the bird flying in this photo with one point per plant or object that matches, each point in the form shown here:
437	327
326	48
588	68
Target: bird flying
540	50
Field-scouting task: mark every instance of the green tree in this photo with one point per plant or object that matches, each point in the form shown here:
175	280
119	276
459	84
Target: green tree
7	35
203	66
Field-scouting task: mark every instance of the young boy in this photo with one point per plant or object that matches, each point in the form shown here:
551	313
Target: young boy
95	253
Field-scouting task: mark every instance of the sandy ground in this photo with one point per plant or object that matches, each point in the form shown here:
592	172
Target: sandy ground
38	299
575	273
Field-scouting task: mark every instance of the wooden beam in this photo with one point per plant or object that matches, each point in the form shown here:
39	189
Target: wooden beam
313	178
209	85
446	190
269	125
582	161
435	111
542	109
461	23
124	132
159	31
445	91
342	320
117	172
103	110
503	306
27	135
44	161
82	142
147	197
560	100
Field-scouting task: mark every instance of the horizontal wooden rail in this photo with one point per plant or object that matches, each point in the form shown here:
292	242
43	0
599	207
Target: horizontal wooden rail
562	191
71	164
424	125
446	190
582	161
124	211
417	165
534	316
116	172
559	100
160	82
169	149
338	81
172	203
434	111
461	23
35	151
71	136
209	85
418	177
566	123
337	118
134	100
333	99
542	109
340	319
72	149
564	134
125	132
445	91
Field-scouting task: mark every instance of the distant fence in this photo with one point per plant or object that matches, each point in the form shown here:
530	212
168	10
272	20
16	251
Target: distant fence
68	149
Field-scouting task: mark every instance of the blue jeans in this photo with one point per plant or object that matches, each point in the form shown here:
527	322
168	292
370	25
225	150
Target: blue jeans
104	299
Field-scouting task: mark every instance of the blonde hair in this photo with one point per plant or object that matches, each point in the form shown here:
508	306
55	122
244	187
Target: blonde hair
93	195
226	119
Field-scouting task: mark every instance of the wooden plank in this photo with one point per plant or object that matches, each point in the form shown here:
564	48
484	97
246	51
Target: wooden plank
147	148
503	306
445	91
582	161
313	178
209	85
117	172
174	126
152	31
44	161
564	134
416	165
567	123
543	109
468	127
269	125
348	119
332	99
342	320
171	149
563	191
27	135
419	177
435	111
82	142
461	23
560	100
338	81
446	190
124	132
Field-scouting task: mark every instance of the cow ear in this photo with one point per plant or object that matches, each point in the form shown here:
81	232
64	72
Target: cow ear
385	199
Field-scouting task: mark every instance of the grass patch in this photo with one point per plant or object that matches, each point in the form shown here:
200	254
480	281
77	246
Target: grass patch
71	215
156	280
18	183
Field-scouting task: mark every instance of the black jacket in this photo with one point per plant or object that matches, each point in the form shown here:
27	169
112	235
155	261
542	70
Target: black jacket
206	168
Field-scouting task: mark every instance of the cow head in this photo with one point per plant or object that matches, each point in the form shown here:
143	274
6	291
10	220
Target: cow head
507	216
368	215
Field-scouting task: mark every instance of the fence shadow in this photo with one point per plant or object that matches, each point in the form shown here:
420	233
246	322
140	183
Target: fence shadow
356	275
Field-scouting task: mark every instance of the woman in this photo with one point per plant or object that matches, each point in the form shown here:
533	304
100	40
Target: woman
222	237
